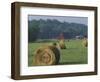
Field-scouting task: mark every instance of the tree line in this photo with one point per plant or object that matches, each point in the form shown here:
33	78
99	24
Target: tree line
51	29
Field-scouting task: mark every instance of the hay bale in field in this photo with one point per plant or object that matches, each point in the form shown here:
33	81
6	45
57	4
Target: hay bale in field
85	42
62	44
56	49
47	55
61	41
57	46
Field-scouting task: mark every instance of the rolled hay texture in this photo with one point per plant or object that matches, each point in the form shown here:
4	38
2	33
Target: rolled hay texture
62	44
47	55
85	42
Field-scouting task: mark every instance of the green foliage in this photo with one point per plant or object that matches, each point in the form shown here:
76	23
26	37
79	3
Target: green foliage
33	30
47	29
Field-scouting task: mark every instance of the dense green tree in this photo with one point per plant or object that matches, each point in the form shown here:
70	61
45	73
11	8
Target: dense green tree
33	30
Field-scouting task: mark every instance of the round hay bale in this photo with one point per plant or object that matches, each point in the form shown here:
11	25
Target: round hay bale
62	44
85	43
56	51
47	55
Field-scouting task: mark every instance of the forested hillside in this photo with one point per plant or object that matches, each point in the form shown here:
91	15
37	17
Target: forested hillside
51	29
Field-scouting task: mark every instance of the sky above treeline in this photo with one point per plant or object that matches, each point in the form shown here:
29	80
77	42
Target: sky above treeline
80	20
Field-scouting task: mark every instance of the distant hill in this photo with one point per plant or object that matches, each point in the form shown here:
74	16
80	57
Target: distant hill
51	29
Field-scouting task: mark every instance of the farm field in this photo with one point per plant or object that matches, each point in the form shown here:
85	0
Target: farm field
75	53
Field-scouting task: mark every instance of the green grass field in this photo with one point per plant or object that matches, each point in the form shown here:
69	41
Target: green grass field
75	53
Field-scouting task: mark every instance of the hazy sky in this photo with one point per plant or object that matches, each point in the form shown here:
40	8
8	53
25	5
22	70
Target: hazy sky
81	20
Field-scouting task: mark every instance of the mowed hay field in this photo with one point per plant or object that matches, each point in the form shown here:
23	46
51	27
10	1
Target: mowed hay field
75	53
